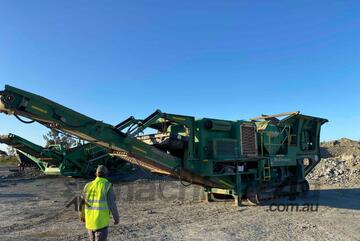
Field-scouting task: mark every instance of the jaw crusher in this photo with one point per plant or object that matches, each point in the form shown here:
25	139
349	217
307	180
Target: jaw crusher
254	159
80	161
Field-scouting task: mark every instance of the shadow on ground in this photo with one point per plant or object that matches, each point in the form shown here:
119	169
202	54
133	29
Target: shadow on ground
344	198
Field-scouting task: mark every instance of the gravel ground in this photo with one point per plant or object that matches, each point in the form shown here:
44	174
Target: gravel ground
34	209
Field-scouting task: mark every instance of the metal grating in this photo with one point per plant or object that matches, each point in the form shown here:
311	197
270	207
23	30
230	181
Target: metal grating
248	140
224	147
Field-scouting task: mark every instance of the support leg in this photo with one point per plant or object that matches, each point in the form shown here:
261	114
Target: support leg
237	199
208	197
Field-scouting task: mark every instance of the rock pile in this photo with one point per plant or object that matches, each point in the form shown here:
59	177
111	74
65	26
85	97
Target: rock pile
340	162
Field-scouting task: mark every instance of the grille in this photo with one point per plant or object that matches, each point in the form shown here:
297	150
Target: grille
224	148
248	140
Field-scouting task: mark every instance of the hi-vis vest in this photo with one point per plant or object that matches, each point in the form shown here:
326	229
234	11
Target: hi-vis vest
97	213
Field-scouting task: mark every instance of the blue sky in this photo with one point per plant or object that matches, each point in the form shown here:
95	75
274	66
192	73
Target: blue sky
221	59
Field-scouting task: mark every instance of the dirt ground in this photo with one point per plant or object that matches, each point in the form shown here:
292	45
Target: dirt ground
34	209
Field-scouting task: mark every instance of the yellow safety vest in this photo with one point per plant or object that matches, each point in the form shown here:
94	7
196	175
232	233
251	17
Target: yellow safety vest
97	213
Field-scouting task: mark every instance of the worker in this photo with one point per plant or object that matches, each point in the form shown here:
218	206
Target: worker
98	201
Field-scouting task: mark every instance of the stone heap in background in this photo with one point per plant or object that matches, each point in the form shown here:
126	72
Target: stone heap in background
340	162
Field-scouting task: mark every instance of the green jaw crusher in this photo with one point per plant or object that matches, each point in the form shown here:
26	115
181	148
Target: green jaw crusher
256	159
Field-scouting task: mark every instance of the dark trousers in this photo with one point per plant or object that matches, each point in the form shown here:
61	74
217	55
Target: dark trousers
98	235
